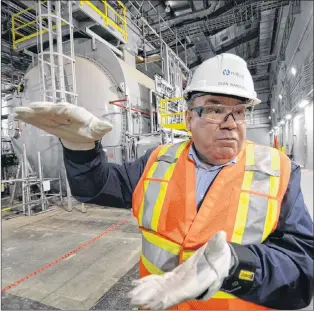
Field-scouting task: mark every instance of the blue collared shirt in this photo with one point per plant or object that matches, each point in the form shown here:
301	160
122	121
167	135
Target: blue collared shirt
204	175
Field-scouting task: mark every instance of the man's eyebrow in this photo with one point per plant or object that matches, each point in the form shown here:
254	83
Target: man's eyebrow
214	101
217	102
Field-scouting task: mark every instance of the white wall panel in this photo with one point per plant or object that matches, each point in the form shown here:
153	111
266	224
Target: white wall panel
299	139
259	135
298	133
306	47
309	135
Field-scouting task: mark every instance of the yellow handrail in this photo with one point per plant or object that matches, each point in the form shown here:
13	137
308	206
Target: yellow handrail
107	19
119	22
175	120
29	8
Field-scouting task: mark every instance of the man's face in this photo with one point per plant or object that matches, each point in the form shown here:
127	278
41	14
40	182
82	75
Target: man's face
216	143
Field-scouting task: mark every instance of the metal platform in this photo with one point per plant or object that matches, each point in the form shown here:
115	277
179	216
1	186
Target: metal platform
105	20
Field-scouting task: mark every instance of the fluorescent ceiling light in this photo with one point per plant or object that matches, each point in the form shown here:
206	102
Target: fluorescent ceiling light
273	109
269	117
280	96
303	103
288	116
293	71
282	122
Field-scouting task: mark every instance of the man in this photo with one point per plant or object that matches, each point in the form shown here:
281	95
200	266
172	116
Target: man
223	220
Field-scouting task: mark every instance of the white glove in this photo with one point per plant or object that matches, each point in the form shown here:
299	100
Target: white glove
205	270
77	128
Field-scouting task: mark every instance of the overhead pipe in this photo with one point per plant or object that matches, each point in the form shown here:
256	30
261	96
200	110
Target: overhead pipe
115	103
196	14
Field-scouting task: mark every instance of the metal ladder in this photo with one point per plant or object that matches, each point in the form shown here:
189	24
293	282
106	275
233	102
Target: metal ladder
52	16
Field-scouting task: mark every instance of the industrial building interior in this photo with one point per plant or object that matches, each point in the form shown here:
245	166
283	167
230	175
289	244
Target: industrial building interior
127	62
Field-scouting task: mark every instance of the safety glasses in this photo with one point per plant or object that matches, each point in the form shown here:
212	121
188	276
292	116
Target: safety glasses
219	113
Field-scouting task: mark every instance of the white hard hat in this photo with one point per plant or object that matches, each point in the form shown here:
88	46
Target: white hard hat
225	74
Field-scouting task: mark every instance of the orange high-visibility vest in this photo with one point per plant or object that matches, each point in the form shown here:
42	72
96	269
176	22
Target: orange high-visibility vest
244	200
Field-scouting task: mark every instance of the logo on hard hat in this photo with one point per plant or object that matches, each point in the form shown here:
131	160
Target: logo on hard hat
227	72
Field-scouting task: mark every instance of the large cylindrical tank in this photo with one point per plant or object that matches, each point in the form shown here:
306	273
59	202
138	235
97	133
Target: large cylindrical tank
101	77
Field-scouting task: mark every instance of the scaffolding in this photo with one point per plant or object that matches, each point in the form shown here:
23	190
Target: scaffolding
28	179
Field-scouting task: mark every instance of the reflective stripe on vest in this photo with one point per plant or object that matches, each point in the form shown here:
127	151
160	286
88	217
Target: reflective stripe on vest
156	183
165	257
256	214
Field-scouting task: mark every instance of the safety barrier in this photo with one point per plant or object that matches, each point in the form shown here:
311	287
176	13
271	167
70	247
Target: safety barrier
175	120
116	19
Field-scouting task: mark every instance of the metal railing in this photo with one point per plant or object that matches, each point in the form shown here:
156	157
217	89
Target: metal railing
115	18
168	119
25	25
24	28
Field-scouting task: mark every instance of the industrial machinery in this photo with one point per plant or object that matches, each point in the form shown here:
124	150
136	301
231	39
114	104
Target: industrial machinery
90	72
110	89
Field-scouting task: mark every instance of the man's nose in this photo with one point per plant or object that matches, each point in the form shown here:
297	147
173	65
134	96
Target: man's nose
229	122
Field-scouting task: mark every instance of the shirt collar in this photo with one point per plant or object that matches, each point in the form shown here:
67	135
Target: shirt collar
193	156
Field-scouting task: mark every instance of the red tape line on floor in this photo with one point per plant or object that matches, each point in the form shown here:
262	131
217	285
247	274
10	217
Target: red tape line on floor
112	228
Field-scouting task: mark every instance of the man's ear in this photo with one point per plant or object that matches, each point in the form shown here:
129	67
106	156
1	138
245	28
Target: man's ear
188	119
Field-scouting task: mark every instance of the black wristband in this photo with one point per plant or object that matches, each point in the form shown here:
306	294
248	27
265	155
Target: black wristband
242	275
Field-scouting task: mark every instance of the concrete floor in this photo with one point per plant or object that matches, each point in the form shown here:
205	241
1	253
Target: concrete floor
80	280
97	277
